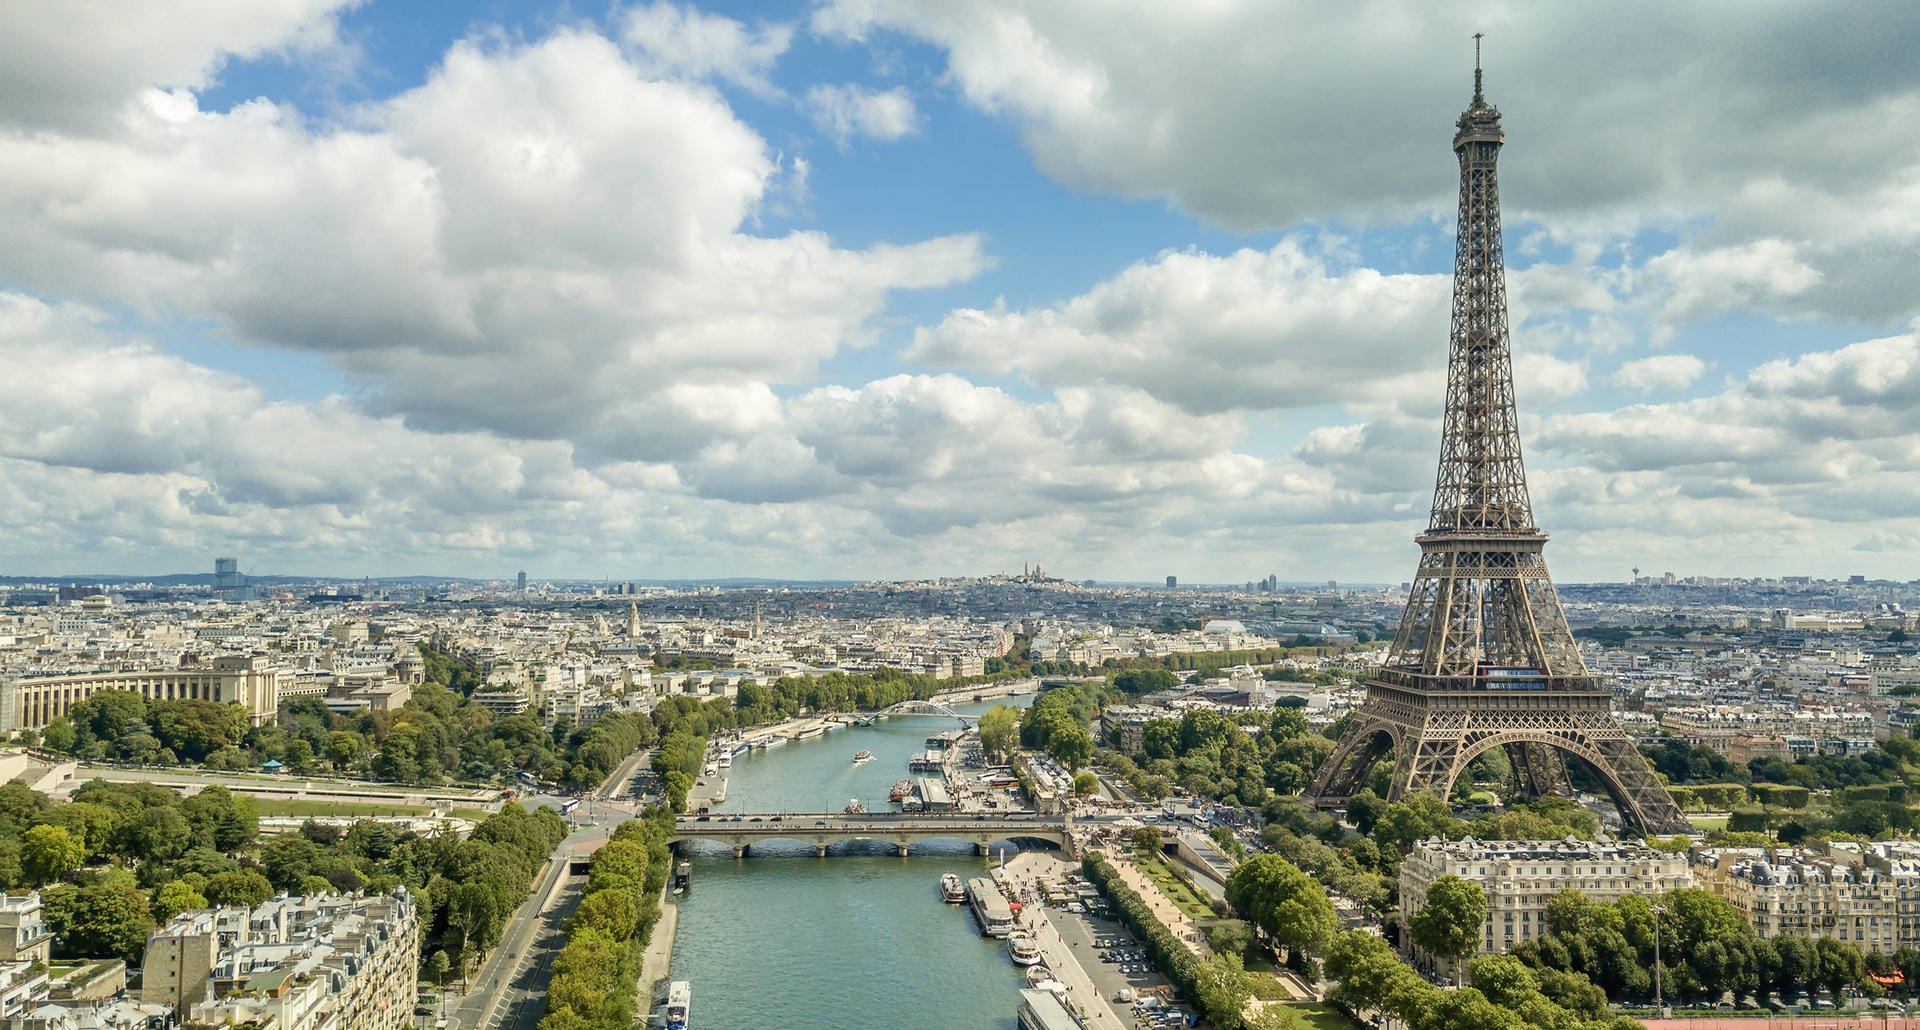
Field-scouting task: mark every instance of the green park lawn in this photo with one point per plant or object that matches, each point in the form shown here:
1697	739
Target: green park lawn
1177	892
1322	1017
1708	823
296	807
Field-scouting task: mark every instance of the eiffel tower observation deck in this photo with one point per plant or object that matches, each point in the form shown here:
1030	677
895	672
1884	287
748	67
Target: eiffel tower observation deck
1483	658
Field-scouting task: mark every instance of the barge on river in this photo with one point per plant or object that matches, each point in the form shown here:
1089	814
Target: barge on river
990	907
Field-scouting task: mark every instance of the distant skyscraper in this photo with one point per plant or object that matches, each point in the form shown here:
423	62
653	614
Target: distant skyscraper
227	580
1173	582
1483	658
523	581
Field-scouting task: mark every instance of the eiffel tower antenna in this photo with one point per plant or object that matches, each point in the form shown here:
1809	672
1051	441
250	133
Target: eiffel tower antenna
1479	96
1483	658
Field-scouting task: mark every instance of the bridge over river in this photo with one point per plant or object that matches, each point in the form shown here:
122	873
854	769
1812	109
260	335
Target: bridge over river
901	829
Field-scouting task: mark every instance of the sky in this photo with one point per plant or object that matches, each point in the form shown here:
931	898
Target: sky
868	289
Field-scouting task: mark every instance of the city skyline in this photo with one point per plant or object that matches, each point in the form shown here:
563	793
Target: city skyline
883	290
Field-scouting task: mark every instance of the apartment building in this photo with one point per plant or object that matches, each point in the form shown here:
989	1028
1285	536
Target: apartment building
1520	877
329	962
24	936
1865	894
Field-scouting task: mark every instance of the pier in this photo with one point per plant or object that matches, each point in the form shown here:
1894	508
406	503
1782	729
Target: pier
902	830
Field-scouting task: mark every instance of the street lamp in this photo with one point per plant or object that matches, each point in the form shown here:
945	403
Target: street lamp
1658	1003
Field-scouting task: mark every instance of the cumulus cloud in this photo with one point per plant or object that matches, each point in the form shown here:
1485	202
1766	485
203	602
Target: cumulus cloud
1799	178
65	64
1660	372
846	111
1260	329
675	41
537	241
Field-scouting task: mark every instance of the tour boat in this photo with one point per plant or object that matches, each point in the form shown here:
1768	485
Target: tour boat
1036	975
854	807
901	791
862	757
679	996
952	891
682	877
1024	949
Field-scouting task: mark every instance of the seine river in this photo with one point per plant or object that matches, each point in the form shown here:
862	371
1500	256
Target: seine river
784	940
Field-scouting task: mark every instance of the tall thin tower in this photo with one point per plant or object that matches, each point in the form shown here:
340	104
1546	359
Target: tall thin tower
1483	657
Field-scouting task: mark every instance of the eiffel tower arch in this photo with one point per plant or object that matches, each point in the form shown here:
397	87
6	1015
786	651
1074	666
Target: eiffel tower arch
1483	657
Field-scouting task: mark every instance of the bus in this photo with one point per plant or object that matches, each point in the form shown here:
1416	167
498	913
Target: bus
567	806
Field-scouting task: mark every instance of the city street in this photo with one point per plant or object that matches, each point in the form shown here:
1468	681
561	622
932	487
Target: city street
510	988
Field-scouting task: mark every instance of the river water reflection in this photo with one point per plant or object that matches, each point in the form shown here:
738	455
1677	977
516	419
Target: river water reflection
857	939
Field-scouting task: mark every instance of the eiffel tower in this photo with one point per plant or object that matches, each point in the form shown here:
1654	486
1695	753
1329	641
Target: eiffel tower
1483	658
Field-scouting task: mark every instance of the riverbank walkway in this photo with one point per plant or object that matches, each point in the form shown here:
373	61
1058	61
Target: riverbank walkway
1163	909
1060	956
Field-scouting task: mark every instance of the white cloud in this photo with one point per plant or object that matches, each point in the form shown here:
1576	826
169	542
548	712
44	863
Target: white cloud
70	63
1660	372
536	241
847	111
1739	279
680	42
1795	180
1253	329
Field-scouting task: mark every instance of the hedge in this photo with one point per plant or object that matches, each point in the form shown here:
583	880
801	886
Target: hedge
1183	968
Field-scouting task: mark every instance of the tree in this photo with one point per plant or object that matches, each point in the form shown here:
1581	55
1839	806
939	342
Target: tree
1145	681
175	897
1146	840
109	715
1085	785
99	921
1229	937
1419	816
221	819
245	887
437	966
1450	923
999	730
288	859
1160	738
59	735
48	853
1291	907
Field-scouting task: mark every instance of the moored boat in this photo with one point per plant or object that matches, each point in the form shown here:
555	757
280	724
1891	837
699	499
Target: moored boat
990	907
952	891
682	877
854	807
1024	949
901	791
679	1000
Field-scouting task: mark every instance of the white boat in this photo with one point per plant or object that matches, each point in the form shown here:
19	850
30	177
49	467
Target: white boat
862	757
952	891
854	807
739	749
679	997
1024	949
726	760
1036	975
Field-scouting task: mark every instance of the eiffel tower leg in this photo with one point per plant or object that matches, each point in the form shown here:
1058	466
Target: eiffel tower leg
1363	742
1522	771
1540	769
1652	807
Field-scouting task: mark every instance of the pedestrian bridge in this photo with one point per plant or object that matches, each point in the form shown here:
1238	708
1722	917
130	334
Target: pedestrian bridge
900	829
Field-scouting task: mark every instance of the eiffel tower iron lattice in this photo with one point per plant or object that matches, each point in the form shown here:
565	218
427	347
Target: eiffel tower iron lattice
1483	657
